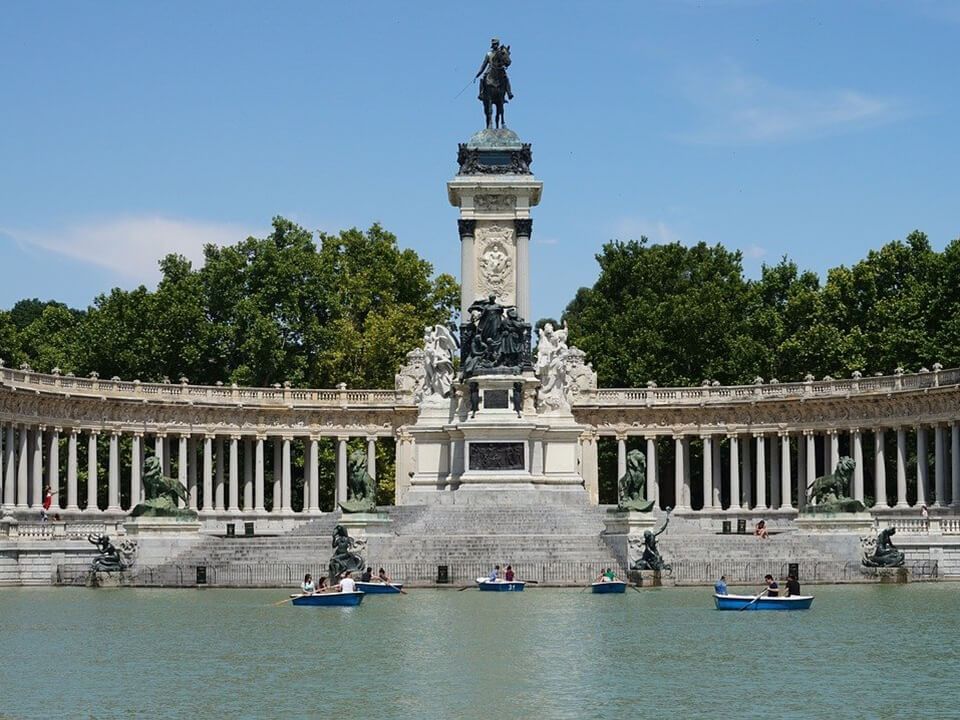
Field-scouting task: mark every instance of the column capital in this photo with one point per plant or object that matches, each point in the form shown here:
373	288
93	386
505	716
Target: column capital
184	435
343	438
115	432
260	437
784	434
234	436
758	433
621	436
523	226
706	436
74	431
209	436
855	431
809	433
57	429
93	431
466	227
42	428
733	436
137	433
371	438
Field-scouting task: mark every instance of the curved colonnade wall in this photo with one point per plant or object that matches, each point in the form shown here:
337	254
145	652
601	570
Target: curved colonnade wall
720	448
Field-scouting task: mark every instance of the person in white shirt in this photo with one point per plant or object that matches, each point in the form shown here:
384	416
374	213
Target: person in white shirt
307	586
347	583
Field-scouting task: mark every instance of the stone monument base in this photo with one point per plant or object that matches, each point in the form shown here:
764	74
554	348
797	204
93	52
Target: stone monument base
847	523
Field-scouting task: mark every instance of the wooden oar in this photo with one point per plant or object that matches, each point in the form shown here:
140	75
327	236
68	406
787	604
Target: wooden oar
465	587
398	589
286	600
754	600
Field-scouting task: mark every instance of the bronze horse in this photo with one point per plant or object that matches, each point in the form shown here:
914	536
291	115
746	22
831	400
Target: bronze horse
494	86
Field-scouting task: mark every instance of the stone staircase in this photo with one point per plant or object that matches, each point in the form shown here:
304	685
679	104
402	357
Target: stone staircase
553	544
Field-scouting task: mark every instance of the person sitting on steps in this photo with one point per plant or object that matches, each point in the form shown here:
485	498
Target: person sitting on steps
761	530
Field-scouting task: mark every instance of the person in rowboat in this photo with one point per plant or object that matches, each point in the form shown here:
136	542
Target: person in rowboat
494	574
347	584
508	575
384	578
720	586
307	587
773	590
367	575
609	575
793	586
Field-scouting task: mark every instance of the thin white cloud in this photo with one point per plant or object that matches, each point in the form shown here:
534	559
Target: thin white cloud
657	231
736	107
754	252
131	246
545	240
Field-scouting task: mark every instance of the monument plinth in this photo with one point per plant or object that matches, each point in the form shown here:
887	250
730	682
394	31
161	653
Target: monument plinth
500	430
494	189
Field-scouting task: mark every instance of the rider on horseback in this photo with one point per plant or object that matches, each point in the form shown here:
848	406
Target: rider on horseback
496	60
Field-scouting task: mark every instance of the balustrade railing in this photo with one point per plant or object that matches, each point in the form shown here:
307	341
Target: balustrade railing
344	397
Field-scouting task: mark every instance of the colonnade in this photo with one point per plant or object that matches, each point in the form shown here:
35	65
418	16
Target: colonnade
222	473
766	470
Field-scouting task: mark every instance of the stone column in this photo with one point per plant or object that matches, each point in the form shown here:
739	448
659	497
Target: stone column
372	457
775	453
248	475
734	472
524	228
23	467
761	441
36	499
136	468
341	469
182	463
746	482
286	478
72	471
92	505
467	229
4	478
940	486
707	482
208	473
923	468
901	468
678	472
9	464
159	448
879	469
717	476
113	473
234	480
306	477
192	493
786	495
277	475
621	456
653	488
801	469
811	463
856	439
313	463
218	493
834	450
259	501
954	469
53	467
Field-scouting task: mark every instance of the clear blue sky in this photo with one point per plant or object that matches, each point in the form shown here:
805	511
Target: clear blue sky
817	130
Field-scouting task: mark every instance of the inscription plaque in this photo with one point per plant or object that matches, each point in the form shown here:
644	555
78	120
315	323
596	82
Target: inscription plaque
496	456
495	399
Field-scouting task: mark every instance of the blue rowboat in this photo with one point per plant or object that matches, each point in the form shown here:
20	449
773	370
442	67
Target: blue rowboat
333	599
610	586
379	588
739	602
500	585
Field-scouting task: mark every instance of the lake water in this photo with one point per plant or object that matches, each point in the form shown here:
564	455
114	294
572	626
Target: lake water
861	652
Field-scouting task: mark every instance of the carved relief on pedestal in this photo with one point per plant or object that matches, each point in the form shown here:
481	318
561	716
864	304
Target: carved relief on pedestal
496	263
494	203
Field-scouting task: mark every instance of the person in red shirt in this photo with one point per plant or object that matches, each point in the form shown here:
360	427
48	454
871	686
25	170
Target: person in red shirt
508	575
47	502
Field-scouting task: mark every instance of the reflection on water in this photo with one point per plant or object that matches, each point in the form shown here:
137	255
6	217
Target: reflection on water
878	651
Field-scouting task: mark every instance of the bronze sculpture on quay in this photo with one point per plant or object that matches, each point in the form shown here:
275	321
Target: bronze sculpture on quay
631	487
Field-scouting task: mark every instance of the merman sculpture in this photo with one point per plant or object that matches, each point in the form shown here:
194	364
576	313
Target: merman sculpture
883	553
346	554
651	559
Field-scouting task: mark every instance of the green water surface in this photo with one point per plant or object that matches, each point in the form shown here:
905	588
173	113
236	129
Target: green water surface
861	652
